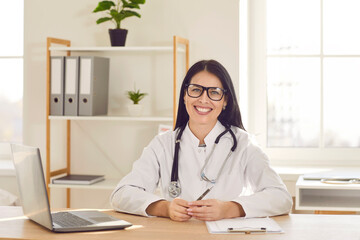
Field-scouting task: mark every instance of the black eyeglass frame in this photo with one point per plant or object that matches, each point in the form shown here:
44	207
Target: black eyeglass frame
204	89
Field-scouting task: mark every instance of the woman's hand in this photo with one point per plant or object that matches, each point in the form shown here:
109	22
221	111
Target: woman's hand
178	210
212	209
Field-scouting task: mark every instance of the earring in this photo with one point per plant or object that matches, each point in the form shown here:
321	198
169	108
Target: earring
224	107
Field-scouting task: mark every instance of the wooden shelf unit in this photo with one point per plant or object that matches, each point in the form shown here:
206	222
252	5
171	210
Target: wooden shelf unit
117	49
114	118
180	45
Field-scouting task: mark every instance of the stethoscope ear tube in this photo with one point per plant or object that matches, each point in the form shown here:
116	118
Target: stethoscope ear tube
235	141
222	134
228	129
174	170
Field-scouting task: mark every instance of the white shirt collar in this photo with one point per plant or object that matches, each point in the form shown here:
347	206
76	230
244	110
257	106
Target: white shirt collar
210	138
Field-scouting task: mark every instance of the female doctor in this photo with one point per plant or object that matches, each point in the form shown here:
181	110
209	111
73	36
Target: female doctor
208	168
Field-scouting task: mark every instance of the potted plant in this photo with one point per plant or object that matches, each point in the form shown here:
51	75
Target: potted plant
116	13
135	96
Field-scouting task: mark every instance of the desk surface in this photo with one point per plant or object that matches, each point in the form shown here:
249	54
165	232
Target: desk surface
13	225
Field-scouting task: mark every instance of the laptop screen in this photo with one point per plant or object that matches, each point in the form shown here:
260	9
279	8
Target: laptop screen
31	183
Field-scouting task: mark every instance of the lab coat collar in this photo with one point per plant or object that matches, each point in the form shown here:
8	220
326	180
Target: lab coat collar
210	138
214	133
194	139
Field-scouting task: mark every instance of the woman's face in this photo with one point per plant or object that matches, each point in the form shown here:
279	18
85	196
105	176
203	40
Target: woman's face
203	110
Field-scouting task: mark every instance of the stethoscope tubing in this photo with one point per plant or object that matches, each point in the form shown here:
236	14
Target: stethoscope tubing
174	170
175	188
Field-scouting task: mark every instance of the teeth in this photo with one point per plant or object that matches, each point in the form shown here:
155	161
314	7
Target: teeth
203	109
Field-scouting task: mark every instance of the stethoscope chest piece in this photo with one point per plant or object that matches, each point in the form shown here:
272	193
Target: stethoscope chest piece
174	189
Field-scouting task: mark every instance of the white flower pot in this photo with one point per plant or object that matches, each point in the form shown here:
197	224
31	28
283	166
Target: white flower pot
135	110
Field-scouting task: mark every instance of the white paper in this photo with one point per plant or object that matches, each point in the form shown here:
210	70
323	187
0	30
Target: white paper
70	76
85	76
56	76
221	226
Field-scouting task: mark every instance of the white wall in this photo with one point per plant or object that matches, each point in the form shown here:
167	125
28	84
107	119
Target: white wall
210	25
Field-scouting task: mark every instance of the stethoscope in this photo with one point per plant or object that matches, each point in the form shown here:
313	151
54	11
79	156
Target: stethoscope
174	187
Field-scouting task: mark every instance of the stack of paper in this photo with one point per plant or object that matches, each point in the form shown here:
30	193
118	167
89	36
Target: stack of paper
244	225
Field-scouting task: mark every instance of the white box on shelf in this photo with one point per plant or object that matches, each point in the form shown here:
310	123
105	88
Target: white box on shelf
316	195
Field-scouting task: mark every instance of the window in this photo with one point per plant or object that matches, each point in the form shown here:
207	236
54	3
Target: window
304	79
11	74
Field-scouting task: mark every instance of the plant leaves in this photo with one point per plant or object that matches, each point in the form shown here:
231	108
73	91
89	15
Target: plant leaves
117	16
136	96
138	1
132	5
124	2
104	5
104	19
114	13
129	13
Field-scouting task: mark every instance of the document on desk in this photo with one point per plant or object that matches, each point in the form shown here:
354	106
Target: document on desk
244	225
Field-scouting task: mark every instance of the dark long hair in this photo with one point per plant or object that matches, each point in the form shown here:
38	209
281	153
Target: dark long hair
231	115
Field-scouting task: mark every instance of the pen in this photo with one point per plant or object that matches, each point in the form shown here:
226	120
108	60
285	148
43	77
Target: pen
204	194
246	230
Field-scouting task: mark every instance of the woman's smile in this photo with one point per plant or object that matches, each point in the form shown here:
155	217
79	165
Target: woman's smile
202	110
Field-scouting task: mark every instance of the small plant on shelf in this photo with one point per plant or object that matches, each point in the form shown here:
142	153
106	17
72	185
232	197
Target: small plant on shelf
135	96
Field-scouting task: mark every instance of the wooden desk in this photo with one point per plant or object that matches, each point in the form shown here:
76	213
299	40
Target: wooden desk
297	226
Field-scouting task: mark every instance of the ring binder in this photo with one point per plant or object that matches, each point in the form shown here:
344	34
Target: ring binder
93	86
57	86
71	86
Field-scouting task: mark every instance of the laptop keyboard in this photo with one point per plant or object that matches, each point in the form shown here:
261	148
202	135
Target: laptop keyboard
66	219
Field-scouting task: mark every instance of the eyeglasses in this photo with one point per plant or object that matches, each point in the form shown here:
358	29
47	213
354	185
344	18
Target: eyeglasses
214	93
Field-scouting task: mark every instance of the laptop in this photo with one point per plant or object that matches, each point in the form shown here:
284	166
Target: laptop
35	201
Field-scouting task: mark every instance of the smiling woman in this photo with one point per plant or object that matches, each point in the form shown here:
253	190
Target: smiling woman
208	168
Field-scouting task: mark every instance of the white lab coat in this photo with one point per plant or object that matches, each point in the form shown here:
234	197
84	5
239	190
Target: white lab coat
247	177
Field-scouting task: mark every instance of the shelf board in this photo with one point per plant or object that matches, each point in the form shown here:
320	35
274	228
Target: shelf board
113	118
117	49
107	184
